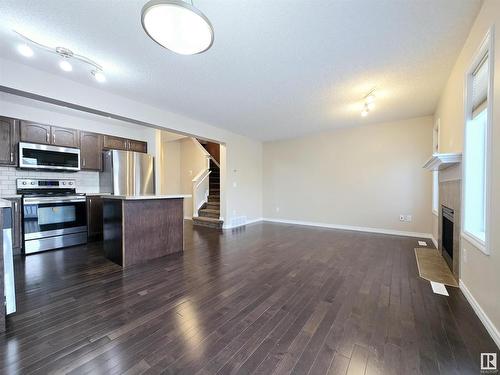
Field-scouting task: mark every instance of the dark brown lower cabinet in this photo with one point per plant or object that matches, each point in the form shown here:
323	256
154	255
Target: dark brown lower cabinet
94	218
17	225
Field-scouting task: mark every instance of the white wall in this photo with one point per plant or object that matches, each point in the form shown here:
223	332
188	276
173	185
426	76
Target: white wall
359	177
480	273
242	160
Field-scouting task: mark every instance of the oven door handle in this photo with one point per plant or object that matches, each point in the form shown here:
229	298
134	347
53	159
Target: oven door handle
43	201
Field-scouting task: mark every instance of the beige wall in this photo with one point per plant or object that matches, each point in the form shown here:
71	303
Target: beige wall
192	162
479	272
170	167
363	177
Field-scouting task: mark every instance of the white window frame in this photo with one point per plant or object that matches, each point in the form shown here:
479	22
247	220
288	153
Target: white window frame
435	193
436	145
487	46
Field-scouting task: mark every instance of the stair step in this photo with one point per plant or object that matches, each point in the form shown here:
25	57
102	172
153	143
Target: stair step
207	212
208	222
212	206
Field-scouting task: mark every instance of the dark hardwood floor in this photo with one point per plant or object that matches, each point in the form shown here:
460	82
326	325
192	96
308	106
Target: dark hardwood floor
268	298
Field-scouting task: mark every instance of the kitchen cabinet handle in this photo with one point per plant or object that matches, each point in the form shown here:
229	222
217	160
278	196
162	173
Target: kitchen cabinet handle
47	137
11	157
53	138
83	162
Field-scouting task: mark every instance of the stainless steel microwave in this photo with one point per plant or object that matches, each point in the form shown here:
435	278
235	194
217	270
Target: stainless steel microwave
48	157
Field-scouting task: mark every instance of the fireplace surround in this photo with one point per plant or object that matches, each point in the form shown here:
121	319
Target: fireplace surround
449	219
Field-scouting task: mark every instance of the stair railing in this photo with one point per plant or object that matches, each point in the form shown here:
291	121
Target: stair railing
205	152
201	189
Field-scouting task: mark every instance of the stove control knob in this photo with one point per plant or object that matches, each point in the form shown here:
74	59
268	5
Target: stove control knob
32	182
64	182
71	182
24	182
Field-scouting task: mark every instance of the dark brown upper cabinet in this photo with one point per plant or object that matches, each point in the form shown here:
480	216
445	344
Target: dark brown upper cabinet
137	146
115	143
49	135
35	133
64	137
91	145
9	137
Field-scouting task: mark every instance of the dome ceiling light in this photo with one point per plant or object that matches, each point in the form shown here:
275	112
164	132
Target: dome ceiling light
178	26
65	54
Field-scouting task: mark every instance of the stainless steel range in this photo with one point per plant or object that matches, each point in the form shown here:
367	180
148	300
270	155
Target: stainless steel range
54	215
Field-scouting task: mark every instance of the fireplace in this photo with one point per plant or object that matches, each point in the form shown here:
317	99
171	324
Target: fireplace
448	221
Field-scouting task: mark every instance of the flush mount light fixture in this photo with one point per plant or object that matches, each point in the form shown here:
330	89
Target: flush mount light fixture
369	100
65	65
25	50
178	26
66	55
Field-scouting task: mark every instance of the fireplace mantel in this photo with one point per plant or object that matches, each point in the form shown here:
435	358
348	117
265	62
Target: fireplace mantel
439	162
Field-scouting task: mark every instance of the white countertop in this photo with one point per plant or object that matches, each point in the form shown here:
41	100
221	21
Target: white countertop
146	197
11	196
4	203
96	194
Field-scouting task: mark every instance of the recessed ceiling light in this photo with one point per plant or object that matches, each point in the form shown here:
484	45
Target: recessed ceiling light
364	113
65	65
99	76
25	50
177	26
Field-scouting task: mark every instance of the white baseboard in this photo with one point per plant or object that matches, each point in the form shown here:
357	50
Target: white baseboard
488	324
434	241
354	228
188	218
228	226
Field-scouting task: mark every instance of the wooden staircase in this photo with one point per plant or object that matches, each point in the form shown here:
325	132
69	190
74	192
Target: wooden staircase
209	213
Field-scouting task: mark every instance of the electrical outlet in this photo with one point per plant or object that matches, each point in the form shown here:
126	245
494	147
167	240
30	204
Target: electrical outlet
277	209
408	218
401	217
235	184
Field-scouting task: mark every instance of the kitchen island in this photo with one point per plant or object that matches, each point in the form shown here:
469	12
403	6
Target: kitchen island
139	228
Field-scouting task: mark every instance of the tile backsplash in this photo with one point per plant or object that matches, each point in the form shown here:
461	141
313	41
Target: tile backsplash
86	181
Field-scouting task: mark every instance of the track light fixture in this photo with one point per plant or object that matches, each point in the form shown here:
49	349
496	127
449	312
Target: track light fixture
65	54
369	105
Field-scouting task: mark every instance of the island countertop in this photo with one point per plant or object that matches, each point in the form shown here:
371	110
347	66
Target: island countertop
145	197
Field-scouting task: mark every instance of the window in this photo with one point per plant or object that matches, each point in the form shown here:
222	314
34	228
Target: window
477	147
435	193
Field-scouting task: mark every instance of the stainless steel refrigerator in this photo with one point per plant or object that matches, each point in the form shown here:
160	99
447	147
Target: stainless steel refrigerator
127	173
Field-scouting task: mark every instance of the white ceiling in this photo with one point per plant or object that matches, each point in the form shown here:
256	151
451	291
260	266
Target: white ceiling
277	69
